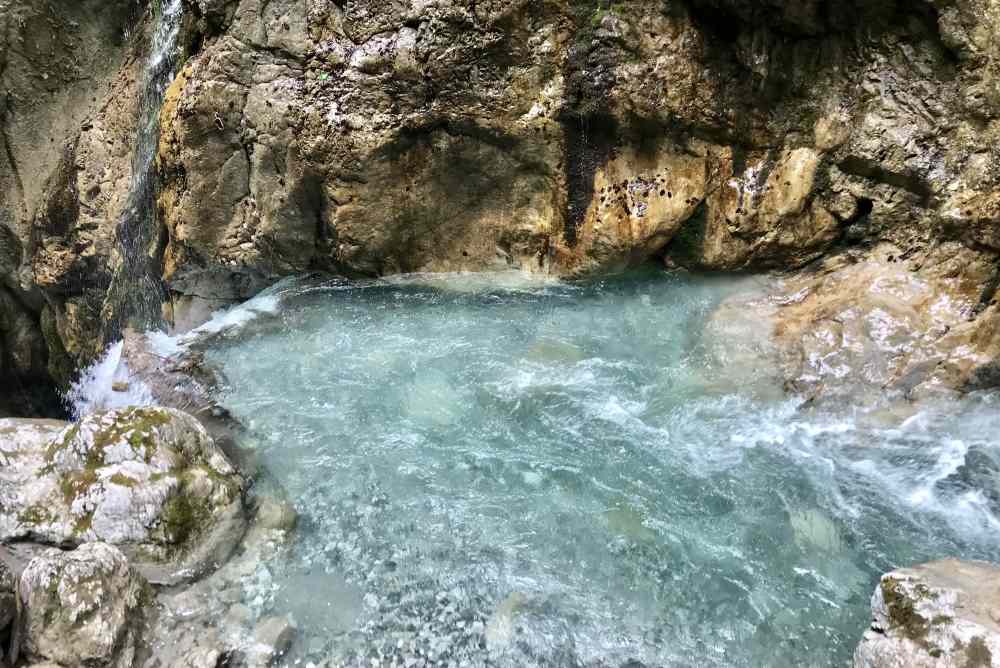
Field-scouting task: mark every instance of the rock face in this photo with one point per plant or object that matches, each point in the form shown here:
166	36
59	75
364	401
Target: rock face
64	153
83	608
859	327
568	137
146	479
563	136
8	608
873	326
941	614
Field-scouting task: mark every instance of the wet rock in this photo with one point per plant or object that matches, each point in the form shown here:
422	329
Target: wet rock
858	328
762	214
23	359
64	162
945	613
179	377
176	377
84	607
8	609
216	619
275	514
499	630
979	473
150	480
271	639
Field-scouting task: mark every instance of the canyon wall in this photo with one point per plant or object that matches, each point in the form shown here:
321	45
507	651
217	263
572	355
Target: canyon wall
366	138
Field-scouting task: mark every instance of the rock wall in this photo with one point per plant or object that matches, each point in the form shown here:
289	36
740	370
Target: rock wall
64	152
574	137
564	136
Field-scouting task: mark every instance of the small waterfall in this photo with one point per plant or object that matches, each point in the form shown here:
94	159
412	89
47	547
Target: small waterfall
136	294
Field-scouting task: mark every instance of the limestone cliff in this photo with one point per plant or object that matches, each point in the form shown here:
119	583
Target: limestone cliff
64	79
563	136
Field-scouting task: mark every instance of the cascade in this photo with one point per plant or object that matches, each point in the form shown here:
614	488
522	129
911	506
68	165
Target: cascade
137	293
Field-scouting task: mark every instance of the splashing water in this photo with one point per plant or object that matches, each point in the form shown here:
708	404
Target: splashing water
105	385
136	294
536	474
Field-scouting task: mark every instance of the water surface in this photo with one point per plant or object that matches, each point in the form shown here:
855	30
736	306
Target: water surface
492	470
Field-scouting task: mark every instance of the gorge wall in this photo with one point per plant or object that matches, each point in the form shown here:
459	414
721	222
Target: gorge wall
563	136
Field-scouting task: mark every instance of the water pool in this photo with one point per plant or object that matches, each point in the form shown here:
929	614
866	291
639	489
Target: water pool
492	470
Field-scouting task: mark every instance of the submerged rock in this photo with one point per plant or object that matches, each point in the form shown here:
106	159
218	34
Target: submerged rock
83	608
150	480
219	620
271	639
178	378
941	614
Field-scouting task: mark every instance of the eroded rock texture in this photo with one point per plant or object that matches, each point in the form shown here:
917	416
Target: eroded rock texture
937	615
83	608
571	137
860	327
148	480
65	133
564	136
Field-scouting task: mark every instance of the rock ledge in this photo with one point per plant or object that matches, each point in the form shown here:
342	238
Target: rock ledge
945	613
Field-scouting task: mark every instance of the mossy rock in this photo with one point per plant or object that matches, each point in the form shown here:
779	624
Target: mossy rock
150	480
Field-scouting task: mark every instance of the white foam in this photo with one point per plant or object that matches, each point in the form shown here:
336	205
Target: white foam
233	318
95	390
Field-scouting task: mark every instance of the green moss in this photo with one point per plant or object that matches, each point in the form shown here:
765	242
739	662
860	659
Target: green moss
35	514
135	426
602	9
74	484
138	427
902	609
123	480
183	518
83	524
55	447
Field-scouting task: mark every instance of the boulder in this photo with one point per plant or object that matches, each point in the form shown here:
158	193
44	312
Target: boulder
941	614
857	327
206	624
150	480
83	608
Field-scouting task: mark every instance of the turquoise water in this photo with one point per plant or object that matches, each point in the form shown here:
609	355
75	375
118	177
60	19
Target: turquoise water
496	471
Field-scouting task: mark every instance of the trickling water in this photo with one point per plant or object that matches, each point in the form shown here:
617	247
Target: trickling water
136	294
518	474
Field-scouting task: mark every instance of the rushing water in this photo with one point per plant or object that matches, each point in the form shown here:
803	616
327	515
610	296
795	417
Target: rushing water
136	294
492	471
